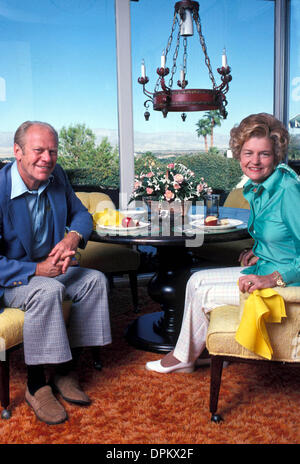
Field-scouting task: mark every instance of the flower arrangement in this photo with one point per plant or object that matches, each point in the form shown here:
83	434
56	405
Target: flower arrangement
176	183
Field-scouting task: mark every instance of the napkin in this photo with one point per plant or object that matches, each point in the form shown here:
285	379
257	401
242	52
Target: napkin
108	217
264	305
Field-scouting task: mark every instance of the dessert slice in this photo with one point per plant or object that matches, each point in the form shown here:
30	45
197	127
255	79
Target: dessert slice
211	221
129	222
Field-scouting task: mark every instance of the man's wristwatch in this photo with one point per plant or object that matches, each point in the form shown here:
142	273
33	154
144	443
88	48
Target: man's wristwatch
279	280
77	233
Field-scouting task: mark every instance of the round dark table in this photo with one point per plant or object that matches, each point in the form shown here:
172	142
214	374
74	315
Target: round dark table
158	331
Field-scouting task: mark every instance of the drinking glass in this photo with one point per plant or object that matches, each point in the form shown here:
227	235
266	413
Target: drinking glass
212	205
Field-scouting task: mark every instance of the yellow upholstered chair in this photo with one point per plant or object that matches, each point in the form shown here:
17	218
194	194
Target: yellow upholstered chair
236	199
11	337
106	257
222	346
226	254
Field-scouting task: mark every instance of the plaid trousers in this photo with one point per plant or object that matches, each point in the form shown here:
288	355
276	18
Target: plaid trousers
206	290
47	340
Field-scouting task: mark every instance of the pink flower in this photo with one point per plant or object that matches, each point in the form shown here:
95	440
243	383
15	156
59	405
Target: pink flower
169	195
149	190
171	165
176	186
200	187
179	178
150	174
137	184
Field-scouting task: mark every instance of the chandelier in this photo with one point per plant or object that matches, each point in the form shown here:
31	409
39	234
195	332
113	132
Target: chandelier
164	98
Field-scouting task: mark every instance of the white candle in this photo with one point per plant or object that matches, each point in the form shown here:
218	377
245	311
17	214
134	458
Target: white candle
143	69
224	59
163	60
182	76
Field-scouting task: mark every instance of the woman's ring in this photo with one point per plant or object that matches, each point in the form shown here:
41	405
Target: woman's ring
250	283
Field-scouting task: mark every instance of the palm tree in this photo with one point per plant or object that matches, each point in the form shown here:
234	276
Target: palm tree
215	119
203	129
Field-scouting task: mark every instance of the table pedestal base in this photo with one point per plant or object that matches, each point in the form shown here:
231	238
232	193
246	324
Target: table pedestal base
158	332
141	334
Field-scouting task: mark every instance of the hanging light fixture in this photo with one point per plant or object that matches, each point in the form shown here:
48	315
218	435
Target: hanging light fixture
164	98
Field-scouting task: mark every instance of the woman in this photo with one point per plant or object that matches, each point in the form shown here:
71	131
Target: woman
273	190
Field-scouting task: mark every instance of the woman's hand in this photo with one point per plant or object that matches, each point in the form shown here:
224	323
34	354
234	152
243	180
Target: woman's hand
249	283
247	258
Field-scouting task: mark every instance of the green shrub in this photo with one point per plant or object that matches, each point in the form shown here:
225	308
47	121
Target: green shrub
219	172
89	163
93	176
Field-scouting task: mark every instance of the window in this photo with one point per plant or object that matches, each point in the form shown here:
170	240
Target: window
294	101
58	64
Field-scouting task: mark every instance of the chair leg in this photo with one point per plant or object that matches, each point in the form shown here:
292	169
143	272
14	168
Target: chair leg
215	383
96	358
134	289
110	281
4	387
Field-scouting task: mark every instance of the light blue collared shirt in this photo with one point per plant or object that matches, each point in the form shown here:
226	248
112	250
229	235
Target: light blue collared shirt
39	210
274	223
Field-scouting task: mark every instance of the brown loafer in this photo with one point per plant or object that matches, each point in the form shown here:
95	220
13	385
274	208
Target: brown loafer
46	406
69	388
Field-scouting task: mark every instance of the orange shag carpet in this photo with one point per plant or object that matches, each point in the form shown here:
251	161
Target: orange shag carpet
259	405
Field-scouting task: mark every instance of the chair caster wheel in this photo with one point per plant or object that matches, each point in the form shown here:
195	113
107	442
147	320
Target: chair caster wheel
97	365
6	414
216	418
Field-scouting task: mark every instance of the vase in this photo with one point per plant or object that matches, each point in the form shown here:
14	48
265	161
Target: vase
153	206
164	208
179	208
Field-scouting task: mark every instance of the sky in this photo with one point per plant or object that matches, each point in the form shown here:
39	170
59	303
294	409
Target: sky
58	64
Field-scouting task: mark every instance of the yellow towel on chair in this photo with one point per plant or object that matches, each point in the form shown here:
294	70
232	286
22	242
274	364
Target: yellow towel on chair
264	305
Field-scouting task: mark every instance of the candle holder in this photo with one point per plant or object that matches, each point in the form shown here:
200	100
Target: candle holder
143	80
163	71
182	83
184	99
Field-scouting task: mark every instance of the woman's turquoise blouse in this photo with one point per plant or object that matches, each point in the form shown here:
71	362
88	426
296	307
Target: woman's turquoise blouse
274	223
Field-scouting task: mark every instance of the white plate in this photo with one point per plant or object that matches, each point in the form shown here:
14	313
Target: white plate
232	223
141	225
133	212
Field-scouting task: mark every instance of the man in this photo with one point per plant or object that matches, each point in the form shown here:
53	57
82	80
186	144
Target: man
42	223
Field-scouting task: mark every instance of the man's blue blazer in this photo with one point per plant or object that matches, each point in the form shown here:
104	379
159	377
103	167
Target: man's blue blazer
16	240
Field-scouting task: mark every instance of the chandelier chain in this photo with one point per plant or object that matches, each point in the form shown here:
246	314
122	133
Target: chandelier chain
184	54
170	39
203	45
174	67
171	35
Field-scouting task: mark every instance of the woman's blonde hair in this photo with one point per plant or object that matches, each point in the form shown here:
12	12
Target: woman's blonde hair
260	125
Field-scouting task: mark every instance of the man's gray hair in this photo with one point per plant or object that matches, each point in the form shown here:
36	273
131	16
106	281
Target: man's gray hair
23	128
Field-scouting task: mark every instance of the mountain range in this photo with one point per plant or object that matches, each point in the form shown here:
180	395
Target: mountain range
143	142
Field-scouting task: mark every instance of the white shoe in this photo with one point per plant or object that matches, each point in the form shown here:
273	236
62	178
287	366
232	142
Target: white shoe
180	367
